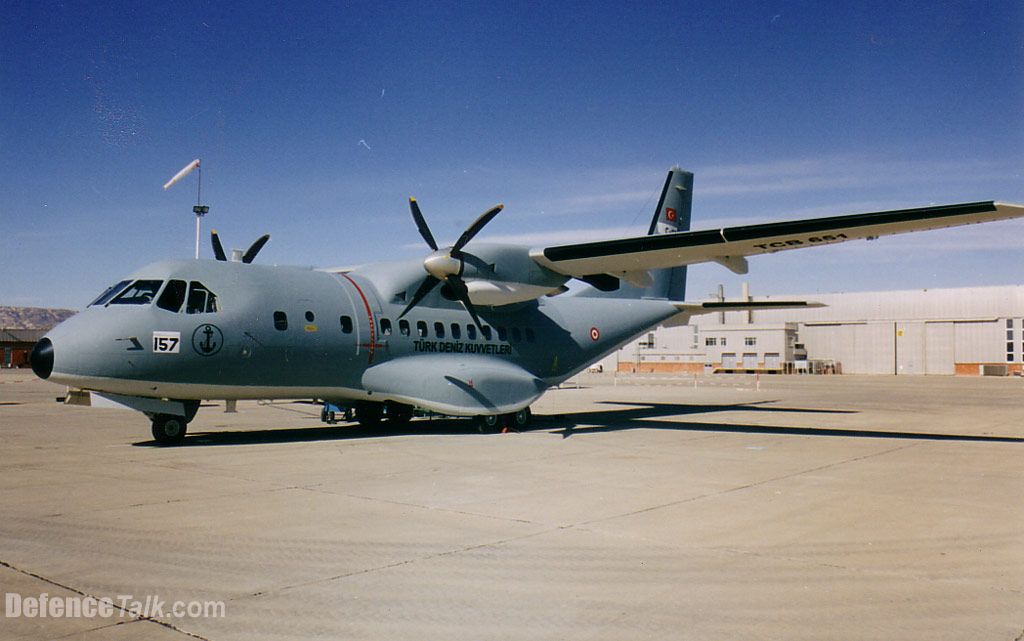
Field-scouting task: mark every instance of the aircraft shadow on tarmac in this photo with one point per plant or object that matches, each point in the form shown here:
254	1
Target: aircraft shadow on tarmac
634	416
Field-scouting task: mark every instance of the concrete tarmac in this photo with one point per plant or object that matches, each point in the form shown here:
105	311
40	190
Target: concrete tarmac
812	508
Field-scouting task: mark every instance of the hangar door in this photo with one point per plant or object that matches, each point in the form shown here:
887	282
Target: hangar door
939	348
910	348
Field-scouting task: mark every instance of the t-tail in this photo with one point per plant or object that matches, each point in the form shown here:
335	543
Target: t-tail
671	215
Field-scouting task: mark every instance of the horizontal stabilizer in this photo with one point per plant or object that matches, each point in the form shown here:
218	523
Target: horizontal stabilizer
694	309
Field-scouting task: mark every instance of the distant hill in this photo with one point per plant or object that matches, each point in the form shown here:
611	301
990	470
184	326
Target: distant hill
31	317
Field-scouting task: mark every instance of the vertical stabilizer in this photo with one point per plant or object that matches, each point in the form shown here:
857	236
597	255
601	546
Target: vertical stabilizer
671	215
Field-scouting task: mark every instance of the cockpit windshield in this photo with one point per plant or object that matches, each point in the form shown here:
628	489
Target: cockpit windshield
200	299
109	293
141	292
197	299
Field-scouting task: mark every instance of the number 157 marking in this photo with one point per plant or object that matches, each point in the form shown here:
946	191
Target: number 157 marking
166	342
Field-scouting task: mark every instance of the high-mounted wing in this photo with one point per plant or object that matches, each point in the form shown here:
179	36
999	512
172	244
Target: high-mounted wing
730	245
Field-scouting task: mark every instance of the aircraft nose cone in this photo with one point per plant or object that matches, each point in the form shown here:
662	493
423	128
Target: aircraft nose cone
41	358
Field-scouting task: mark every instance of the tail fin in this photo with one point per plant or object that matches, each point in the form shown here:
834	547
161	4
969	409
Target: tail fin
671	215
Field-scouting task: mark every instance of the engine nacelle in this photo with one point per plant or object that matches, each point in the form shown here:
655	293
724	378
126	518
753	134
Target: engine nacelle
505	274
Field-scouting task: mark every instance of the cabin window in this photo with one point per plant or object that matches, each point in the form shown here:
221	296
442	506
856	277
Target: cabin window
173	296
456	331
403	327
530	336
439	329
502	333
200	299
141	292
109	293
346	324
421	329
517	334
385	327
280	321
471	332
310	317
486	330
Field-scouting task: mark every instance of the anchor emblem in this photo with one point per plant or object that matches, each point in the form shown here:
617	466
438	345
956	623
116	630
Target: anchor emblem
207	340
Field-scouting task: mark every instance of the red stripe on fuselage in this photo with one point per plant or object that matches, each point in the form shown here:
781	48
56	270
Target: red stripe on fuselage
369	316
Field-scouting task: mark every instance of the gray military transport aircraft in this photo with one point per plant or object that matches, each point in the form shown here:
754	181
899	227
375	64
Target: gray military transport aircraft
476	329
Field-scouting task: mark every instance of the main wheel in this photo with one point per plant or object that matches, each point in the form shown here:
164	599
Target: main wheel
521	420
169	430
488	423
368	413
397	414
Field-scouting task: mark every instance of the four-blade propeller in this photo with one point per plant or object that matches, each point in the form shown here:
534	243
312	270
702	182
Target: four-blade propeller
446	265
247	257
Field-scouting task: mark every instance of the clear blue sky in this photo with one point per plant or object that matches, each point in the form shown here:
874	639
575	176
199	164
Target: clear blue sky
316	122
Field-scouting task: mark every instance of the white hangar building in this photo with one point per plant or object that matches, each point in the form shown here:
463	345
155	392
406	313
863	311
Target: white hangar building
969	331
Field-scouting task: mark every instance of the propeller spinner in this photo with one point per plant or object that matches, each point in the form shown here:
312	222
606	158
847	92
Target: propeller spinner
247	257
446	265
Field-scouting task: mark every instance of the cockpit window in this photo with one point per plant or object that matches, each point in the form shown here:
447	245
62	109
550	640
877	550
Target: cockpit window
141	292
173	296
109	293
200	299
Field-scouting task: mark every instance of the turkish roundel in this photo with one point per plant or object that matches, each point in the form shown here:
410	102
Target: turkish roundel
670	214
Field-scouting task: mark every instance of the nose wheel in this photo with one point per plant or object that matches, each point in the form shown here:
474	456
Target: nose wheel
169	430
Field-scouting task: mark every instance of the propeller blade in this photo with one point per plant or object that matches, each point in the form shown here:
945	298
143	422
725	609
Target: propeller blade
218	249
458	287
421	223
428	284
475	228
255	248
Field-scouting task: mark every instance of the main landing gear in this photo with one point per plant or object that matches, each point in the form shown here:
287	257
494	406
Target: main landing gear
516	421
389	413
169	429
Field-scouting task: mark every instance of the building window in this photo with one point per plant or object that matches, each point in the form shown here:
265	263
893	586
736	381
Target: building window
649	342
1009	347
1009	323
346	324
750	340
1009	333
280	321
722	342
1009	357
710	341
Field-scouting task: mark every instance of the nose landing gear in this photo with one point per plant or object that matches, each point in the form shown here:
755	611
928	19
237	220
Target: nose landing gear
169	430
